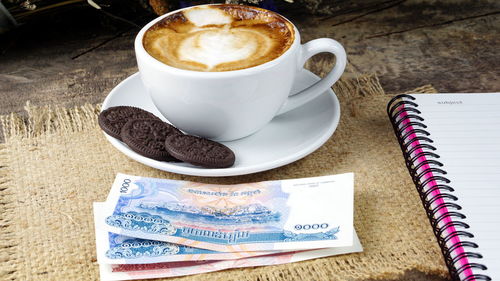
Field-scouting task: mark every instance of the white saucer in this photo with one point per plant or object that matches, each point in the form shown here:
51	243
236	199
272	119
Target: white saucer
285	139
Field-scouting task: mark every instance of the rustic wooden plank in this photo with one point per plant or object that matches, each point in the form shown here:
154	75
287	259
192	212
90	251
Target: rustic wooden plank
407	43
448	44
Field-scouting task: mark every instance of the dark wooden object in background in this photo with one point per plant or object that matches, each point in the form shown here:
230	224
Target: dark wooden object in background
76	59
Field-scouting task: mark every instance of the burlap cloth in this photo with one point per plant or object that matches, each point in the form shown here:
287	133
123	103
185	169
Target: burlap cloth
57	162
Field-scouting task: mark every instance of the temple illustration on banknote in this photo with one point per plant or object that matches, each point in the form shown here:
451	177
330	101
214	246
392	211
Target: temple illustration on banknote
246	214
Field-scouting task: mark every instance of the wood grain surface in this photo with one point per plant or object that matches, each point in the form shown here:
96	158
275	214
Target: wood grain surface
453	45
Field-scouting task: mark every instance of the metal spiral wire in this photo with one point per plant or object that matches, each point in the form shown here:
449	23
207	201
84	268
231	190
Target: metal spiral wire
415	142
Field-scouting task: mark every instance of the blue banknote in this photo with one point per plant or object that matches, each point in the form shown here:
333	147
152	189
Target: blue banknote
292	214
114	248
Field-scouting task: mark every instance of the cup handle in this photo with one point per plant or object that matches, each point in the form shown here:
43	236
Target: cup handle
308	50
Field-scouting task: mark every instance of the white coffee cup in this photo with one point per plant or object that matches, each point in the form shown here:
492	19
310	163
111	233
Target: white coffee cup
229	105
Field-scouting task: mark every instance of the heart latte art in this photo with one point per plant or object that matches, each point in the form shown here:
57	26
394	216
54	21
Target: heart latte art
219	38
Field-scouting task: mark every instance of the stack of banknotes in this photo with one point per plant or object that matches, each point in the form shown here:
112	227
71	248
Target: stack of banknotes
153	228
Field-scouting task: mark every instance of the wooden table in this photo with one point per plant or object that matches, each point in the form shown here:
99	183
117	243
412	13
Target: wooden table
75	58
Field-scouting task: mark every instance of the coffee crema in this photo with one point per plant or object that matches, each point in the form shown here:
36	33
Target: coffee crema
219	38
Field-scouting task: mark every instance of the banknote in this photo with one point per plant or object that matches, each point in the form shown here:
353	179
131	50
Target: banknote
295	214
161	270
119	249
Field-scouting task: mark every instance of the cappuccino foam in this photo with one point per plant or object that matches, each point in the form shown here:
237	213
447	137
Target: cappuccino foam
219	38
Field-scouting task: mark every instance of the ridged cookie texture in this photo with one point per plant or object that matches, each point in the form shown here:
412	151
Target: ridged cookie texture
147	137
199	151
114	118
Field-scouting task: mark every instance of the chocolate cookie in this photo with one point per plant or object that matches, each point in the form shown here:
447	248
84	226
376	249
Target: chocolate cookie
147	137
114	118
199	151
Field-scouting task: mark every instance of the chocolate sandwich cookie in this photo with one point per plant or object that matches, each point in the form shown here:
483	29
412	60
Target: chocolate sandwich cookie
147	137
199	151
114	118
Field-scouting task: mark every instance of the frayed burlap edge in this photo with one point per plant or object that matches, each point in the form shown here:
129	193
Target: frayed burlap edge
49	119
43	120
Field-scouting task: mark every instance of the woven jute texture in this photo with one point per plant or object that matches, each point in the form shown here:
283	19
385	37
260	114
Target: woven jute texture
56	162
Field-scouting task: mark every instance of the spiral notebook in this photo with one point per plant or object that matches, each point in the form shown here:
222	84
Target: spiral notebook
451	144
